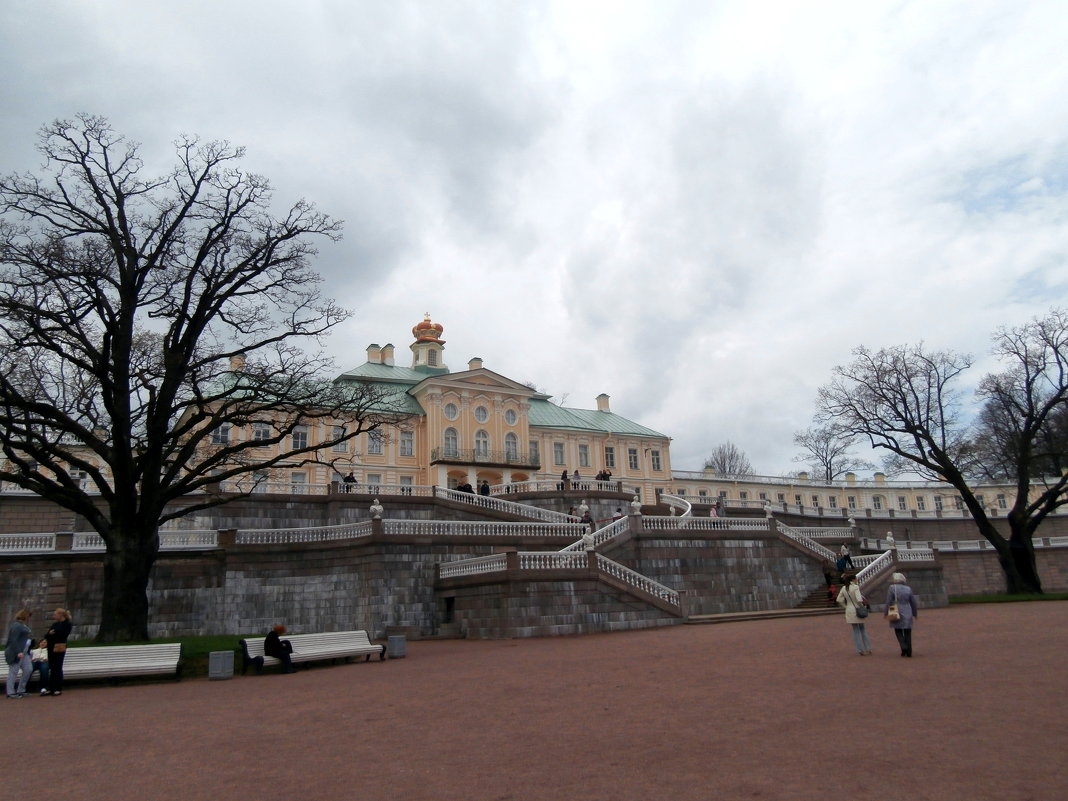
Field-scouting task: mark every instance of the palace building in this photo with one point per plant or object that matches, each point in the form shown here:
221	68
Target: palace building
474	425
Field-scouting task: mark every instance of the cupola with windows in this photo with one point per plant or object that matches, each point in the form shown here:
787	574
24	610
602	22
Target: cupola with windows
428	348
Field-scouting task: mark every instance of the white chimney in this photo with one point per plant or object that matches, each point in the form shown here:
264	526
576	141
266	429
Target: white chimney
387	355
374	354
475	364
602	403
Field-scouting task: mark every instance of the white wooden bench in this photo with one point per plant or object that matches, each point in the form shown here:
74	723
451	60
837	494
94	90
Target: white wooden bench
311	647
114	661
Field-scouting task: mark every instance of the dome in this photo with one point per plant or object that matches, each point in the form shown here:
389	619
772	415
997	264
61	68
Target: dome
427	331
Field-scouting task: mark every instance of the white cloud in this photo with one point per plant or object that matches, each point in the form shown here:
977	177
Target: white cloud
696	208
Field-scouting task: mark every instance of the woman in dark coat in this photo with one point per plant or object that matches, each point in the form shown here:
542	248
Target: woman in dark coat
55	640
274	645
901	594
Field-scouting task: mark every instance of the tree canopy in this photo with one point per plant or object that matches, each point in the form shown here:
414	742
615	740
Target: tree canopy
908	401
141	319
727	459
828	451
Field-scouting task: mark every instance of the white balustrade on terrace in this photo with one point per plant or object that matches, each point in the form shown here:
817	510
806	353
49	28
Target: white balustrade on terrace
661	523
384	490
602	535
876	568
808	544
499	505
283	536
27	543
637	580
177	540
680	505
471	528
478	565
556	485
825	533
552	560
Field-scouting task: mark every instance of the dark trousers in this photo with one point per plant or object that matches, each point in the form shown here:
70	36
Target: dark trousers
904	639
55	671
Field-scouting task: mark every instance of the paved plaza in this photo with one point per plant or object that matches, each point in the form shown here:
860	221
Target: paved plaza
774	709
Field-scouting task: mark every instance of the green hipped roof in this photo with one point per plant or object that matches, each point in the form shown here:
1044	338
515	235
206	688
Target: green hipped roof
543	414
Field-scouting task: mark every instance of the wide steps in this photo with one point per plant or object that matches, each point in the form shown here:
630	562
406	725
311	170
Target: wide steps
767	614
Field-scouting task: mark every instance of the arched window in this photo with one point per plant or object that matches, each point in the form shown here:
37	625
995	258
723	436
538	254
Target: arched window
452	447
511	446
481	444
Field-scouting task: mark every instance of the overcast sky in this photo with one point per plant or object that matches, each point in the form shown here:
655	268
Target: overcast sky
698	208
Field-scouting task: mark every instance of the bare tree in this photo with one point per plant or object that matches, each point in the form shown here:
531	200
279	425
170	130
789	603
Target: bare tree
729	460
145	321
828	451
905	400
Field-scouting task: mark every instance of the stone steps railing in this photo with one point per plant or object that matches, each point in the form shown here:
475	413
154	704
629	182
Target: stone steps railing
27	543
91	542
806	543
499	505
954	545
471	528
706	523
285	536
680	507
557	485
533	562
602	535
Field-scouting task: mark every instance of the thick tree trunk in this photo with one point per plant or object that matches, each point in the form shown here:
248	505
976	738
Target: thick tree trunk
1022	555
127	567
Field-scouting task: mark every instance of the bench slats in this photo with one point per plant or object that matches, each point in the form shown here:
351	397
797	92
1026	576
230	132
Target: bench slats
123	660
311	647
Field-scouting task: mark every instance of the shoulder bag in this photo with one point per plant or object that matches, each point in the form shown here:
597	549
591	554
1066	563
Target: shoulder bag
893	614
861	610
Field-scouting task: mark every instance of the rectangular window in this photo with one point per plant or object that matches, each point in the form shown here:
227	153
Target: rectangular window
781	496
535	455
609	456
723	494
798	501
558	453
632	458
921	503
406	483
654	456
902	503
298	482
958	503
261	481
373	480
832	501
374	442
299	437
336	433
221	435
702	493
938	503
982	501
877	502
852	501
1001	502
743	495
407	443
584	455
261	432
816	500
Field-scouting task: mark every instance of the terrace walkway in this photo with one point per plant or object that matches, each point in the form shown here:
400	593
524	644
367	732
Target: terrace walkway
780	710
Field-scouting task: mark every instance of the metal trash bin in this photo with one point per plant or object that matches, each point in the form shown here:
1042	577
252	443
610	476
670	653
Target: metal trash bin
397	646
221	665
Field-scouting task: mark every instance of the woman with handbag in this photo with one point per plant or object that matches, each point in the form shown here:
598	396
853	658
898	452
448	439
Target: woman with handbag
856	609
56	642
901	611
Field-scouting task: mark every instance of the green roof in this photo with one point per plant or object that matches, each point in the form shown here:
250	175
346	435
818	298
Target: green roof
544	414
396	381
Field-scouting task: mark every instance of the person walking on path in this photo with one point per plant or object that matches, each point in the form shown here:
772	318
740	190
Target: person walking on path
56	643
849	597
901	596
844	562
17	654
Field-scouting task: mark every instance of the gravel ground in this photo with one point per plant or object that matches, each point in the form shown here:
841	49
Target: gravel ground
774	709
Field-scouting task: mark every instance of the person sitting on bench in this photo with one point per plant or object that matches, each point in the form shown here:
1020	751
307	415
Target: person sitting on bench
274	645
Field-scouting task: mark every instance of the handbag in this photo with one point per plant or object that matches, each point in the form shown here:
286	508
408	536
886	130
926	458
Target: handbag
893	614
860	610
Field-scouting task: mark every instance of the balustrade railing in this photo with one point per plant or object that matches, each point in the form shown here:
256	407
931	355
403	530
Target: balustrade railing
473	567
680	505
637	580
515	458
601	535
471	528
808	544
877	567
552	560
706	523
284	536
825	533
500	505
27	543
557	485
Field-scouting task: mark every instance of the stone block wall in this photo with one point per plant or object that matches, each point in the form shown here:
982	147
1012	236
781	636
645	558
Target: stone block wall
544	608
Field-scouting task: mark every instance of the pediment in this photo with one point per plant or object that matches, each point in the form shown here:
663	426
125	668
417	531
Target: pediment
480	380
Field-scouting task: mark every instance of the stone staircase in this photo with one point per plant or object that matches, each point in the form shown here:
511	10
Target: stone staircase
816	603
